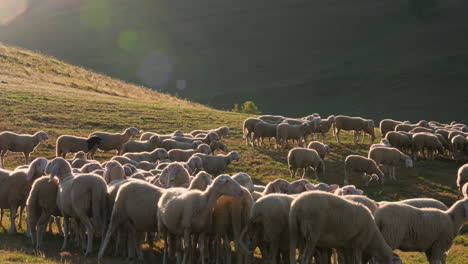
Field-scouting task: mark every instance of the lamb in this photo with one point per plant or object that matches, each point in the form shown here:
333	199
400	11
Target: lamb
77	197
114	141
138	146
244	180
357	124
263	130
221	131
40	206
423	230
302	158
324	220
248	128
217	164
322	149
185	154
175	175
399	140
459	144
68	143
215	145
462	178
135	210
390	157
387	125
285	131
201	181
370	169
425	141
15	188
153	156
13	142
187	213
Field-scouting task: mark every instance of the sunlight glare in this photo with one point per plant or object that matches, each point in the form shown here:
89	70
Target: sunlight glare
10	9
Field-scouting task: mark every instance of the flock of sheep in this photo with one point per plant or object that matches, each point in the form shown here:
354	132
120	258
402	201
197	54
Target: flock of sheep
163	187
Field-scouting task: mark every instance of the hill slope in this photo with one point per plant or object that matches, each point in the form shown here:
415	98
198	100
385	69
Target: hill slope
302	54
42	93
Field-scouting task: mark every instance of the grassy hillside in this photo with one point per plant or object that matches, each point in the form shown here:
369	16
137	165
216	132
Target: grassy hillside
301	53
42	93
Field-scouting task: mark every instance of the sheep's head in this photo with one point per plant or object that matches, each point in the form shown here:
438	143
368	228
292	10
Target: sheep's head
36	169
194	164
79	155
58	167
244	180
93	141
225	185
321	187
113	171
41	136
224	131
155	141
204	148
129	169
178	133
212	136
423	123
160	154
206	177
277	186
132	131
349	190
234	155
297	186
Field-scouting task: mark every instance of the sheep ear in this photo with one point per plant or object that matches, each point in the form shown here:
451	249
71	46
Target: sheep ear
360	191
333	187
310	187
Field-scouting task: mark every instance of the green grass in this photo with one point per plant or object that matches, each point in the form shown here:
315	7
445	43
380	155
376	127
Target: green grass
35	95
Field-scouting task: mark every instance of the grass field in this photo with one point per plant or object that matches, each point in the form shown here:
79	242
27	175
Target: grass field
42	93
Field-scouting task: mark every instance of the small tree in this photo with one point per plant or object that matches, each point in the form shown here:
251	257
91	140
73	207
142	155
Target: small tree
249	107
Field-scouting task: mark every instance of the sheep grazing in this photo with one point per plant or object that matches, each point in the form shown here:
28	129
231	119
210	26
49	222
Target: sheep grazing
462	178
248	128
323	220
322	149
426	142
263	130
302	158
387	125
390	157
285	132
356	124
201	181
78	196
113	141
153	156
221	131
175	175
185	154
399	140
187	213
217	164
215	145
40	206
15	188
422	230
145	146
24	143
459	144
370	169
67	143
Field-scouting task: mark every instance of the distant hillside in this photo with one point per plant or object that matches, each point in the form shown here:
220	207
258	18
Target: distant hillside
361	57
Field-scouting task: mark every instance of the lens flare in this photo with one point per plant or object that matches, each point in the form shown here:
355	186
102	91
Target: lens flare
10	9
128	40
95	14
156	70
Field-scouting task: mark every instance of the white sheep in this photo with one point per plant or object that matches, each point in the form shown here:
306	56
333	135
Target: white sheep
356	124
390	157
185	154
462	178
215	145
175	175
399	140
201	181
421	203
387	125
218	163
244	180
459	144
248	128
67	143
465	190
348	190
24	143
141	146
110	141
263	130
285	132
170	144
321	148
421	229
221	131
370	169
425	141
153	156
302	158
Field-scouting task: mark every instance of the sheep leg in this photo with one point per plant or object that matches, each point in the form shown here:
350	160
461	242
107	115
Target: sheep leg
394	174
2	157
345	180
186	245
164	237
337	135
21	211
58	224
201	245
26	157
37	232
273	253
13	211
66	223
1	220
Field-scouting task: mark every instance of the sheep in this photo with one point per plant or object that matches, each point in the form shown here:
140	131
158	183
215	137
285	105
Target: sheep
259	188
323	220
324	127
113	141
263	130
185	154
175	175
370	169
207	139
285	131
134	209
387	125
276	186
421	129
421	203
447	146
272	118
322	149
13	142
425	230
372	205
15	188
146	166
78	196
459	144
201	181
40	206
399	140
221	131
217	164
153	156
67	143
244	180
357	124
348	190
455	133
215	145
248	128
425	141
187	213
322	187
462	178
91	167
390	157
138	146
302	158
125	161
193	165
407	127
298	186
383	143
269	224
